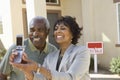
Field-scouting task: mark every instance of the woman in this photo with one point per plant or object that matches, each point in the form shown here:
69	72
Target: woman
70	62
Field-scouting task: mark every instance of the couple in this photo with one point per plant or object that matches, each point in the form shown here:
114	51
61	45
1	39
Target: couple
70	62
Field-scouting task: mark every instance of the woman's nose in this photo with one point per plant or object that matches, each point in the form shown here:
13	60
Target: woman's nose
58	30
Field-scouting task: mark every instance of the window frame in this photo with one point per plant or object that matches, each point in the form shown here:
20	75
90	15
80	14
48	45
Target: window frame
118	23
54	4
47	3
115	1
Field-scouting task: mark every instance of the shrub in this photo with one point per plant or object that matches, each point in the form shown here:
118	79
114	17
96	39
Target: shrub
91	63
2	53
115	65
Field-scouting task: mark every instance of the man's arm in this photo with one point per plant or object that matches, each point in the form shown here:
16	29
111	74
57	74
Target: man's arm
5	67
3	77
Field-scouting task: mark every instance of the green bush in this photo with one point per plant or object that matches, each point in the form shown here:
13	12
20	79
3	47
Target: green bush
115	65
2	53
91	63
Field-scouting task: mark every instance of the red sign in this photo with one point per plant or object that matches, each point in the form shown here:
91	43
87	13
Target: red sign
95	47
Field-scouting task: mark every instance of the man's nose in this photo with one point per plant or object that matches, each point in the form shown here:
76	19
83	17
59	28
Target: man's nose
35	33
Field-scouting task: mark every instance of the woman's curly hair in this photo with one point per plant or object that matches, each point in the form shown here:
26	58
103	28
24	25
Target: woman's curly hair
71	23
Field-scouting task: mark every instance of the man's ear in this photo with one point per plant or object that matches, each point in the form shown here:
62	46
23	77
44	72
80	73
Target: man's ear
48	31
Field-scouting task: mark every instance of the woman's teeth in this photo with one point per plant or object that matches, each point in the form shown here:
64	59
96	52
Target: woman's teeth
59	36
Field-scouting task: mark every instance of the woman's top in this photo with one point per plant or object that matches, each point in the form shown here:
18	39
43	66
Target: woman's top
73	66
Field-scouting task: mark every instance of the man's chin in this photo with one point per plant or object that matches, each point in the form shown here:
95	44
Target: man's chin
37	44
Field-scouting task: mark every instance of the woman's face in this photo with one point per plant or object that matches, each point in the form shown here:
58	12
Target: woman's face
62	34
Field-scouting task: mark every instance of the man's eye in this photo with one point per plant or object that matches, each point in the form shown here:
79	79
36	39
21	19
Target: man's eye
39	30
32	29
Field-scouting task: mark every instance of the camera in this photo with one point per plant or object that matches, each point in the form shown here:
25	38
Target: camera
19	48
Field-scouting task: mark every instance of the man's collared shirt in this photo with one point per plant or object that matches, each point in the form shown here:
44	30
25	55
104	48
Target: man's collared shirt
33	54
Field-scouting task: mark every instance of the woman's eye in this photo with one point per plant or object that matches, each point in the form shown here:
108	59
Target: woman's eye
63	28
55	28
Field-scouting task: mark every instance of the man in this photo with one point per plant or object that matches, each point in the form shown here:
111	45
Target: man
36	48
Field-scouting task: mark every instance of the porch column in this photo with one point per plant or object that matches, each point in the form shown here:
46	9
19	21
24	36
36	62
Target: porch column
35	8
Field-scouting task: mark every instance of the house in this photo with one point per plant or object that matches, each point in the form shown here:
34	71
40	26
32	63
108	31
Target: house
100	20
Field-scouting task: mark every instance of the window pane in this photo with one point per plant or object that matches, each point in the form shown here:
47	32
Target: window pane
119	18
52	17
47	0
52	1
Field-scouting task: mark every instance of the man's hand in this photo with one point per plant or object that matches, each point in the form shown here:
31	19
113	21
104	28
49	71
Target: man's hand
27	66
14	55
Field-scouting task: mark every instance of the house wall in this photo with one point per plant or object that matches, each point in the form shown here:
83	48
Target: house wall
12	21
74	9
16	18
100	22
98	18
106	28
6	37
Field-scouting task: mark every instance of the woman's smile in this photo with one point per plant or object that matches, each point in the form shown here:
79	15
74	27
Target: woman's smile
59	37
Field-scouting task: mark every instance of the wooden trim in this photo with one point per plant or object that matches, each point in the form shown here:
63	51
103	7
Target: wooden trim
115	1
55	11
53	4
48	3
117	45
25	27
23	1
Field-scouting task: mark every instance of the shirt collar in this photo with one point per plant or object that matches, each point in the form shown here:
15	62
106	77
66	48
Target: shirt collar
33	48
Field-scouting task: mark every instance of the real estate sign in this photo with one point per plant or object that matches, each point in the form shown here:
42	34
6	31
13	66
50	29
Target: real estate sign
95	47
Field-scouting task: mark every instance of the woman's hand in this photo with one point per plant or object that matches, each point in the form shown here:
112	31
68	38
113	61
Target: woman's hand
46	73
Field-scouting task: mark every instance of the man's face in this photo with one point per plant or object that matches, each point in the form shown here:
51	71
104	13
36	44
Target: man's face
38	35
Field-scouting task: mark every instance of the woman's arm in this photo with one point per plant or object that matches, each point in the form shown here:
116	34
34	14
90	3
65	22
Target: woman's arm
78	68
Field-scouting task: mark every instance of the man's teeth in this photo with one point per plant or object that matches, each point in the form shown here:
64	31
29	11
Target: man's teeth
36	39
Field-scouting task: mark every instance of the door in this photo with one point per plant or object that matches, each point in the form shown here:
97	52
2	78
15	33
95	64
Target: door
52	17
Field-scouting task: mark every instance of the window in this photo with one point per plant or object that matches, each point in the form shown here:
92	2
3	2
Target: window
115	1
52	16
118	20
52	1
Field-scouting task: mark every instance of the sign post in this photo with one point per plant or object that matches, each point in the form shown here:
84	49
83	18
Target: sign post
95	48
95	63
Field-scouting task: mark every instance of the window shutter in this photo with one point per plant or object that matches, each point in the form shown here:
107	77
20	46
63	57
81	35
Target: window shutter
115	1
